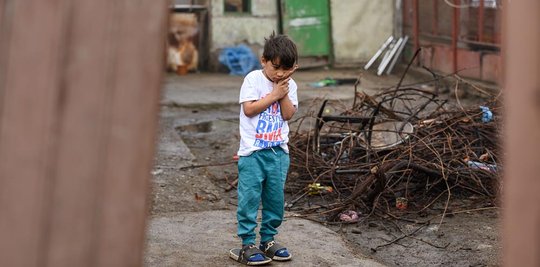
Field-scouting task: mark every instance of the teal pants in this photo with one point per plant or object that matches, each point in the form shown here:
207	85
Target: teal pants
261	178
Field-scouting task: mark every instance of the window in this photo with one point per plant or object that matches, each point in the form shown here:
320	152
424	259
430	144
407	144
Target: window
237	6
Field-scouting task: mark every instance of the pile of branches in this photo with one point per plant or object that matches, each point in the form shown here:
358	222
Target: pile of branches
452	152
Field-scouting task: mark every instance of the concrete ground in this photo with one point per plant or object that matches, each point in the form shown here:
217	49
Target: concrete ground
204	236
218	88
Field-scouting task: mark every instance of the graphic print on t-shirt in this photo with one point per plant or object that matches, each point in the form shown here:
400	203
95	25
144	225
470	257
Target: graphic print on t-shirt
268	131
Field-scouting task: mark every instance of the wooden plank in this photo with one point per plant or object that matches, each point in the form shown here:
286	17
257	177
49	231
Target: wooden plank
29	66
79	89
89	79
521	213
131	138
105	156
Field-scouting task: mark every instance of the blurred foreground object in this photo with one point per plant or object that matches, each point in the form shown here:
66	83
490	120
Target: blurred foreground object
76	157
522	131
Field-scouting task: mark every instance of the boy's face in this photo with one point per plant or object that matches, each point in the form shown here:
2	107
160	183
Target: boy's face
274	72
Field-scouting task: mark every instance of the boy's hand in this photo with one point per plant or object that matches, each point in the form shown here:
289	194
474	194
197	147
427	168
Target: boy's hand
290	72
281	88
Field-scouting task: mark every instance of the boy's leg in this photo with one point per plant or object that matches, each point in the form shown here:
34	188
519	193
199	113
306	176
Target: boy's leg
273	199
250	178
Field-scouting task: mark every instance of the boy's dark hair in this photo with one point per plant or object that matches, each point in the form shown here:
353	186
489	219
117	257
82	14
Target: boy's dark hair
282	48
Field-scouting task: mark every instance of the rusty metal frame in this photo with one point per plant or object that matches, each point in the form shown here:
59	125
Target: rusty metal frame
416	25
481	21
321	120
455	35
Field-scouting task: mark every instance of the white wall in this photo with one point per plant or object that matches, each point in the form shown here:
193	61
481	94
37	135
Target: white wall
232	29
359	28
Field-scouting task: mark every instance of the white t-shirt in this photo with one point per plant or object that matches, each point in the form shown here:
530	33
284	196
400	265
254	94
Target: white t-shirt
268	129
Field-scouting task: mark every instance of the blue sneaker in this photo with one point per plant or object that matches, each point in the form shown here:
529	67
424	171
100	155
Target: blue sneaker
257	257
249	255
275	251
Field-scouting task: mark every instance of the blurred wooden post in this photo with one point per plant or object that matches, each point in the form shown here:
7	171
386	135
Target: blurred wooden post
521	200
79	92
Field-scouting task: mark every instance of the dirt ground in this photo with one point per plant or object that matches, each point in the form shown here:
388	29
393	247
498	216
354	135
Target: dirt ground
206	136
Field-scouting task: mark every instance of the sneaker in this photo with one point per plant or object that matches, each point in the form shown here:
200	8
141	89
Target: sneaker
275	251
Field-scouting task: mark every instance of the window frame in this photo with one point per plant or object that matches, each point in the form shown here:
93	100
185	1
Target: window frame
246	5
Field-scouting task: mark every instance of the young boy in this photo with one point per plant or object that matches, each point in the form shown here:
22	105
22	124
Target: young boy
268	100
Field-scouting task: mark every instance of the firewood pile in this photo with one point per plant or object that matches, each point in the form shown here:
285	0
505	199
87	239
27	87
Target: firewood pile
394	153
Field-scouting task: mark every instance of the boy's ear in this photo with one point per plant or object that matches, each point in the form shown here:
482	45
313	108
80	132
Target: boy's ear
263	61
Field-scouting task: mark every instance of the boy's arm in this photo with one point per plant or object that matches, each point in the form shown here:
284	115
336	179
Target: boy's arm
287	108
253	108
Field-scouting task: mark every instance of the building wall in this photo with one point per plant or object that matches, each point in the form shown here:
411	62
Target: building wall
476	56
229	29
359	28
232	29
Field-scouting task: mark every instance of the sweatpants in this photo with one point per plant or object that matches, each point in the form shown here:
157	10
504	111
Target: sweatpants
261	178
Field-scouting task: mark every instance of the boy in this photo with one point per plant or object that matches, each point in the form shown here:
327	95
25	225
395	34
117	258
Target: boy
268	100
